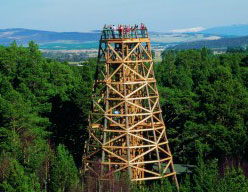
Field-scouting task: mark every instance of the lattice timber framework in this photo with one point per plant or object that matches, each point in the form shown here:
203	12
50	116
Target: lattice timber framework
126	130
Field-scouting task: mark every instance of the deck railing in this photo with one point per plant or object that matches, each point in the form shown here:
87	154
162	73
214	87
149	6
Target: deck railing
124	34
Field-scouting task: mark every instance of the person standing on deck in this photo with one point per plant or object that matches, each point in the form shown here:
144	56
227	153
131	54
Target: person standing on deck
113	31
142	30
105	31
128	29
120	31
124	31
110	31
145	31
132	32
135	30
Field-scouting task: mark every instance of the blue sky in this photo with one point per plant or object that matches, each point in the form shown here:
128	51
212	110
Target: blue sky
158	15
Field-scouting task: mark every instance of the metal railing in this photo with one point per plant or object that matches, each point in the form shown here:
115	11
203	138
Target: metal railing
122	34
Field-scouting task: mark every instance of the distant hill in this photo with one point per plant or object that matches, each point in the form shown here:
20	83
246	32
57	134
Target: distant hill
88	40
233	30
23	36
220	43
49	40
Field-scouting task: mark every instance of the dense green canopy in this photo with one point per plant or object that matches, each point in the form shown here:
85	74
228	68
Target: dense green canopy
44	105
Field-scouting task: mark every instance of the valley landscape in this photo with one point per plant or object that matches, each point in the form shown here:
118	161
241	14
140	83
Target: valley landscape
75	43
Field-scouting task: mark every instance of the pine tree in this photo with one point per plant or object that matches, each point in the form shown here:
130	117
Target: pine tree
14	178
64	176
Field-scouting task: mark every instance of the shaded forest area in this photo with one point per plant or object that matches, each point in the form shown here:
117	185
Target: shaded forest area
223	43
44	105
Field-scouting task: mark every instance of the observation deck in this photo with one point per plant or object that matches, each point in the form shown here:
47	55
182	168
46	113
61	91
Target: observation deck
124	33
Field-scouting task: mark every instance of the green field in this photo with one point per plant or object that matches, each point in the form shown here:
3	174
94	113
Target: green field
88	45
69	46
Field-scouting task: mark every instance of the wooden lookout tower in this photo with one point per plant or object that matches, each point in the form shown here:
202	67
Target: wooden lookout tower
127	133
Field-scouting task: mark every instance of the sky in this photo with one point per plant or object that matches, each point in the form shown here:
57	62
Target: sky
86	15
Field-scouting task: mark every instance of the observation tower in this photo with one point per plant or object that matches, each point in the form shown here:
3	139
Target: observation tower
127	134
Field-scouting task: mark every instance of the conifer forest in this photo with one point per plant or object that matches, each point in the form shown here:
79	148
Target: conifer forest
44	108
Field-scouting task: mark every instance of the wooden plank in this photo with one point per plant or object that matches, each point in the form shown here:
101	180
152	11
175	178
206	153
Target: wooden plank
115	52
115	90
117	156
145	170
135	47
114	139
136	73
141	155
153	178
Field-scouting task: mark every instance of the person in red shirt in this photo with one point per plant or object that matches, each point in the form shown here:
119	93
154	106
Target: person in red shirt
142	29
120	29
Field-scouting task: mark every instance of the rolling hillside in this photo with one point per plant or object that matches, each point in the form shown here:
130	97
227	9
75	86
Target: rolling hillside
88	40
233	30
218	37
220	43
23	36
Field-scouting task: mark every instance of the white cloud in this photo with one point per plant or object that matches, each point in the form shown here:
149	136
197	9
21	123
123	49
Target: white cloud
188	30
6	34
213	38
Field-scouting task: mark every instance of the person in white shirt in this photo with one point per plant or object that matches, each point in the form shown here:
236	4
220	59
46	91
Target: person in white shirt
113	31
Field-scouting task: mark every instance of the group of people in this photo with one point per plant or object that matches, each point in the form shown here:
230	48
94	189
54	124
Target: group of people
125	31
